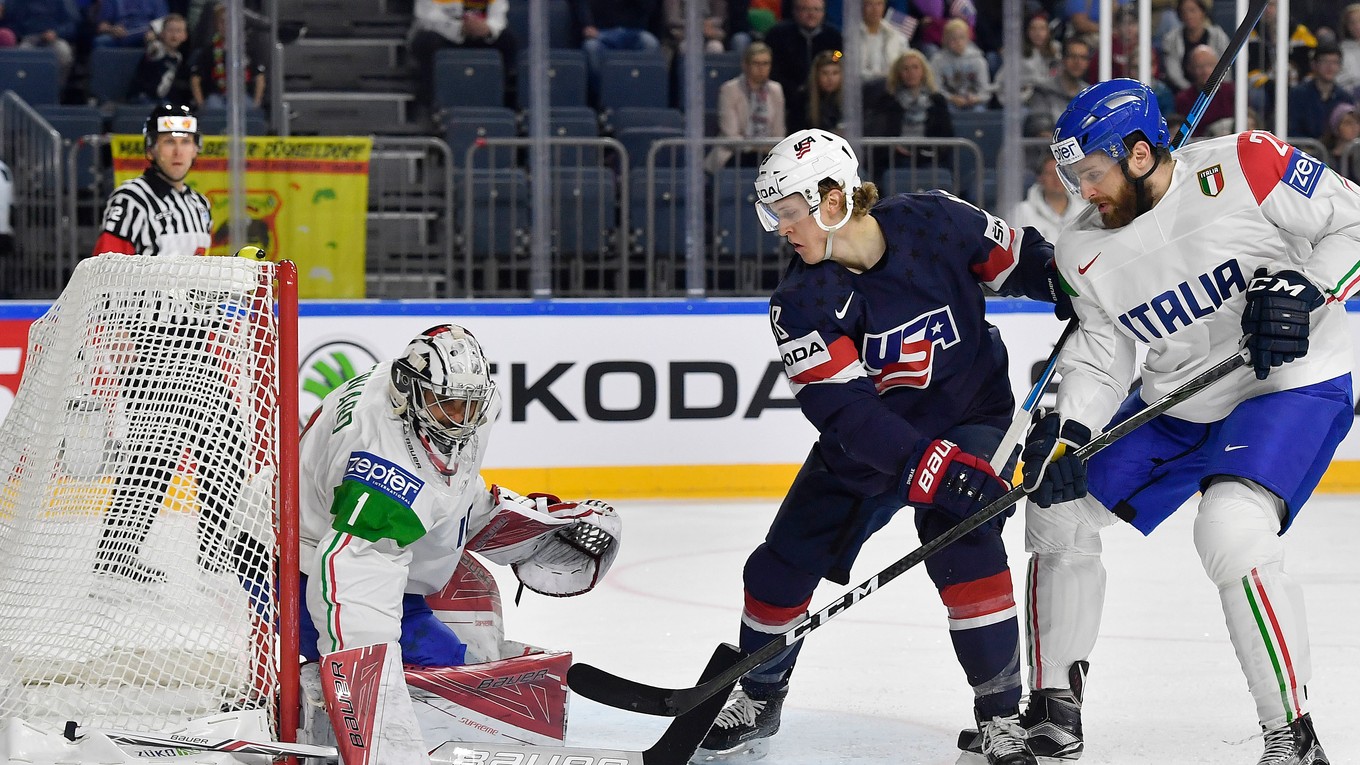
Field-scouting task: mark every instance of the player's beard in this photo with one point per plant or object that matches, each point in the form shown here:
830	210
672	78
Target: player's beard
1123	207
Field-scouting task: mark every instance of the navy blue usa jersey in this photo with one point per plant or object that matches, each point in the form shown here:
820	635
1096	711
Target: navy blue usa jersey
883	359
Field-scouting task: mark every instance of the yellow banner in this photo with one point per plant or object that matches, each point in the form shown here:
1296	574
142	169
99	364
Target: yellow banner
307	200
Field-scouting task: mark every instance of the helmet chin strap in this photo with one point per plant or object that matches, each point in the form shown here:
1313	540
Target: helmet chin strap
831	230
1142	200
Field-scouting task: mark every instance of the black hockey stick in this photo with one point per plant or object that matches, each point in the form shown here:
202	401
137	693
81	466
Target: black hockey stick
612	690
1206	94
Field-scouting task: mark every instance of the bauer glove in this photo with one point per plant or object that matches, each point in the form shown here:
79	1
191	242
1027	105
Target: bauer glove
1277	317
1051	472
943	476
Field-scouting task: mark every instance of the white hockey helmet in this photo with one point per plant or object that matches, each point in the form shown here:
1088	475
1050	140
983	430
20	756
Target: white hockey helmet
796	165
443	370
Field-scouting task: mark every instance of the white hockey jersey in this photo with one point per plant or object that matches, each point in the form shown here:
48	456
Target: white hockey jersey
1174	279
377	519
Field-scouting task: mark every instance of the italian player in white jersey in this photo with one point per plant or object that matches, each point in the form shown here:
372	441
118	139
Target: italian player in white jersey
1237	239
390	499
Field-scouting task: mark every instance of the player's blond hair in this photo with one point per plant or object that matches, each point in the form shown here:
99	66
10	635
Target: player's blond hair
864	197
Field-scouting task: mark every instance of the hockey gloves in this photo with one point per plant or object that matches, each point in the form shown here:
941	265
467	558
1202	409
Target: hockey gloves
946	477
1051	472
1062	302
1276	318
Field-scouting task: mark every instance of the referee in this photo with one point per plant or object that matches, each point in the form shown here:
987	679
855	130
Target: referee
157	213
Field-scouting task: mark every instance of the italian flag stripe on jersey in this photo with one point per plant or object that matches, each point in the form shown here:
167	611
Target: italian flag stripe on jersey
328	594
1273	638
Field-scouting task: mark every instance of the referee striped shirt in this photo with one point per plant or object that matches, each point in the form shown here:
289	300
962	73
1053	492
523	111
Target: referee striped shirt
147	216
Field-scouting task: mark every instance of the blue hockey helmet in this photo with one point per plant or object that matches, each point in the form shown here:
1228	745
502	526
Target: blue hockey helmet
1099	120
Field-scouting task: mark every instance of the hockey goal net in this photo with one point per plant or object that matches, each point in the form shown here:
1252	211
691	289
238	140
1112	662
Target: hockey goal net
139	512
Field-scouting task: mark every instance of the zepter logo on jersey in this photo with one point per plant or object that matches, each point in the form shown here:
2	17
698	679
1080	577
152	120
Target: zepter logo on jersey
905	354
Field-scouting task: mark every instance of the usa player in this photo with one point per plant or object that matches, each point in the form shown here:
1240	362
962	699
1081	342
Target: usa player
1185	254
880	320
390	499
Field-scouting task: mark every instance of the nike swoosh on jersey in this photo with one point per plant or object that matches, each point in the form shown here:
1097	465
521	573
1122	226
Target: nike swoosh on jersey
845	308
1083	269
1231	448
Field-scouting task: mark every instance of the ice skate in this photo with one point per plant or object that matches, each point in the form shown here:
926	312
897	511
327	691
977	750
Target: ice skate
1002	741
1293	744
1052	720
743	729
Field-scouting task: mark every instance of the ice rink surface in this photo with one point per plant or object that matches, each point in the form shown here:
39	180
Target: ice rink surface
879	683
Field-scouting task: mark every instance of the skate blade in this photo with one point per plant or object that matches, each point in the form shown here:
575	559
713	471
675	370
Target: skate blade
977	758
970	744
746	751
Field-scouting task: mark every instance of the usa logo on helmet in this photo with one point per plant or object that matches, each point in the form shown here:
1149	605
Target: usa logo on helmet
801	148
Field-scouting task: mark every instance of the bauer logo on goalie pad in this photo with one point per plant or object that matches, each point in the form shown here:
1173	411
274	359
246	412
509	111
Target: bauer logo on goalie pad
381	475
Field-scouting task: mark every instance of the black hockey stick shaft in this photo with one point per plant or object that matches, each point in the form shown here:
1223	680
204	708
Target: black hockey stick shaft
612	690
1206	94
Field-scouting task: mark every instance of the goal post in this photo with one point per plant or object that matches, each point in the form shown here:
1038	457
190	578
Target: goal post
148	499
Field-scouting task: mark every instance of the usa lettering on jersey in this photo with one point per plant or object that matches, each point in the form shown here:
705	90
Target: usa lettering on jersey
905	354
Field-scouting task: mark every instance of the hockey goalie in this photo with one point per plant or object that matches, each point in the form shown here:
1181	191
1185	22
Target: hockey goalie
403	641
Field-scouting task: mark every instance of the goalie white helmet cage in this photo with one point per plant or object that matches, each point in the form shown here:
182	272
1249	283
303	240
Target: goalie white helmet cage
796	165
443	368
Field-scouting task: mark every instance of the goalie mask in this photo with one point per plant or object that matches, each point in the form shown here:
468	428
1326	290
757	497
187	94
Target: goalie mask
441	386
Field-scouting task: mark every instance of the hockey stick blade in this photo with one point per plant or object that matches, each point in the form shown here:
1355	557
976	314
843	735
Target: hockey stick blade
235	745
675	747
610	689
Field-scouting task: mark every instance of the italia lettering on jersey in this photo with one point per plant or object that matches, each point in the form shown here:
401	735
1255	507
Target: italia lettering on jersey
1187	302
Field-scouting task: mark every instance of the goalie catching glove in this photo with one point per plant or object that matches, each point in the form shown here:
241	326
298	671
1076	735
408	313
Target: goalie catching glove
1277	317
1051	472
554	547
946	477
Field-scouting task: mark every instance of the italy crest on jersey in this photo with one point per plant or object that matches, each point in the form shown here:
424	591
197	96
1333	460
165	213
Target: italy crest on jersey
905	354
1211	180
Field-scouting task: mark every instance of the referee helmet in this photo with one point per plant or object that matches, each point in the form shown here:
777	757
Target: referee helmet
178	119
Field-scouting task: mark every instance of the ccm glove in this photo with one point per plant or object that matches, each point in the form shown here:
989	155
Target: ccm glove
950	479
1277	317
1051	472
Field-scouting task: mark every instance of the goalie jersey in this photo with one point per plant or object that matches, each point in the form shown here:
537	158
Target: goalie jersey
1174	279
883	359
378	520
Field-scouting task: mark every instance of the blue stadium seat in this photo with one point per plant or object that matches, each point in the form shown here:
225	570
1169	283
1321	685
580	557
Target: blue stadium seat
637	142
984	128
668	228
500	212
33	74
634	78
566	79
74	122
629	117
718	68
903	180
129	118
214	121
465	125
585	209
468	77
113	73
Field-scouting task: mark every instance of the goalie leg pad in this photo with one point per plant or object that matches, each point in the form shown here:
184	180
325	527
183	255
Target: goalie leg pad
1237	535
1064	587
369	707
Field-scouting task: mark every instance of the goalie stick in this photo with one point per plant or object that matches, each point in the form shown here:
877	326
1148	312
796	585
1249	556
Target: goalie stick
612	690
206	744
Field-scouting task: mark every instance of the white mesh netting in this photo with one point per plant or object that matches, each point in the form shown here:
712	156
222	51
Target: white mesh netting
136	498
